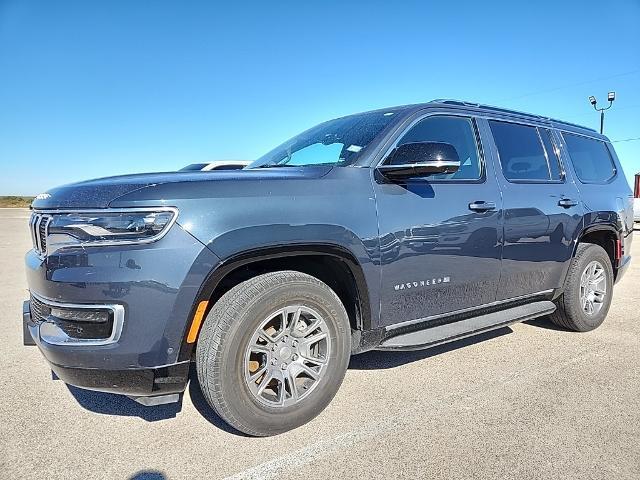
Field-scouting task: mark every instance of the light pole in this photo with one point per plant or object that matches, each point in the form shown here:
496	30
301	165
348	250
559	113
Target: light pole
610	97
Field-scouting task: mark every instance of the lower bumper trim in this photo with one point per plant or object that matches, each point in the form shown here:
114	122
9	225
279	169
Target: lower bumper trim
139	382
157	399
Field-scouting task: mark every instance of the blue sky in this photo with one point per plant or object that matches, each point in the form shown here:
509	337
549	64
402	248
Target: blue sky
93	88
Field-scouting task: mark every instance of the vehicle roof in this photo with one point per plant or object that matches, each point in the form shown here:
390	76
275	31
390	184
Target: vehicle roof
481	108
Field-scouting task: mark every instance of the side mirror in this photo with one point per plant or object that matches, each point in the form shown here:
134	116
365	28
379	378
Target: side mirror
420	159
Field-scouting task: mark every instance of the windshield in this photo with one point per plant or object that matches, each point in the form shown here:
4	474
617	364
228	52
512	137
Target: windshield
336	142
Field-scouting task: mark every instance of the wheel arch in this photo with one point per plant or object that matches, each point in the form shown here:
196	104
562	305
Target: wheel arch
333	264
604	234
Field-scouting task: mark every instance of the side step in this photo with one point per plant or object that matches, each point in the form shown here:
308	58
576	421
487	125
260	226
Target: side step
449	332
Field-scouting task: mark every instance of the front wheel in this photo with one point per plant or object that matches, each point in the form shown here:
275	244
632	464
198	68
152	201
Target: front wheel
273	352
588	290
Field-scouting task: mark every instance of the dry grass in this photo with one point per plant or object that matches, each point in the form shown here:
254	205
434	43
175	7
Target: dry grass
13	202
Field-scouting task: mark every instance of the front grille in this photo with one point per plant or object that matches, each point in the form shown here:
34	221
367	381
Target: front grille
39	227
39	310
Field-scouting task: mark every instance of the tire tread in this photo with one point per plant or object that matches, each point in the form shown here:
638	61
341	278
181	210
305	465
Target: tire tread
217	325
566	314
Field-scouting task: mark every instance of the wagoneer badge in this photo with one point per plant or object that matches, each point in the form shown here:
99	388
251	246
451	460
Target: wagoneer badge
422	283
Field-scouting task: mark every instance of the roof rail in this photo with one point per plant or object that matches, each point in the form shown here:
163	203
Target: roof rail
505	110
577	125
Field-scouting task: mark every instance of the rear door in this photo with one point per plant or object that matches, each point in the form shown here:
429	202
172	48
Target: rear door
542	208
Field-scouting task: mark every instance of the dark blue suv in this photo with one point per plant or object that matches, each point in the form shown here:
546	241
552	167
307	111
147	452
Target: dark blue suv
400	228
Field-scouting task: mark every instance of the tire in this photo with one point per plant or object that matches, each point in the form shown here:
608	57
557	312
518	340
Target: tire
236	322
570	312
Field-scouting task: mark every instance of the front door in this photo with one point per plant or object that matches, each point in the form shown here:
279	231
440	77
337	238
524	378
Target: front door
542	211
440	242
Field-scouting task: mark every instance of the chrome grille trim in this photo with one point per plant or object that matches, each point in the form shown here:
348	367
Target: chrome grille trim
43	231
31	223
39	227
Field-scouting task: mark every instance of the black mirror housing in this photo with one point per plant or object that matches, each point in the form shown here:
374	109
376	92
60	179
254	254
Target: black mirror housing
420	159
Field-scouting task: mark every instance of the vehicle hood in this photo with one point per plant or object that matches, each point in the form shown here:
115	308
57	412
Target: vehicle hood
99	193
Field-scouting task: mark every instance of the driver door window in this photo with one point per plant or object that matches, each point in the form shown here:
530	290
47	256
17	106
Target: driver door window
456	131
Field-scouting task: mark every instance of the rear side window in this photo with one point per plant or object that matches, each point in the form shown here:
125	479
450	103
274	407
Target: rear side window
591	159
526	152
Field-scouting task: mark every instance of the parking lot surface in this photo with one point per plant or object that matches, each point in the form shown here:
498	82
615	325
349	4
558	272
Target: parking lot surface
530	401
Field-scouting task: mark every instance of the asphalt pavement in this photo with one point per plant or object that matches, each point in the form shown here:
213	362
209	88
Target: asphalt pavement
526	402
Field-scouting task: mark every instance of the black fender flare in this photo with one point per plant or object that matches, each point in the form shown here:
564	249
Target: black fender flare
598	227
240	259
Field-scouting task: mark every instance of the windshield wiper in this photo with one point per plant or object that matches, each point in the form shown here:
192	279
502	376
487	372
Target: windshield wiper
273	165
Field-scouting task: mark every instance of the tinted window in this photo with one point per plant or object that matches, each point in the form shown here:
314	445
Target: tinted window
521	153
456	131
591	159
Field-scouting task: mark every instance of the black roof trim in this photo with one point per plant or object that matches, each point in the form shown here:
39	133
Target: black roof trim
480	106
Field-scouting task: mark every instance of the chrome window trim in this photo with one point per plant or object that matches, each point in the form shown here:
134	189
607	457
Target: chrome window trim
465	310
64	339
145	241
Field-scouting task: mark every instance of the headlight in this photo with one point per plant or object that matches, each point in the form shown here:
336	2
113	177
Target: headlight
81	229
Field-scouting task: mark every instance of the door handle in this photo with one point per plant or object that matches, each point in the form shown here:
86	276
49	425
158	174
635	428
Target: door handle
567	203
482	206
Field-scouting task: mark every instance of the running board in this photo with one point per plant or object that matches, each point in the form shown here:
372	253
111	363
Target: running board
449	332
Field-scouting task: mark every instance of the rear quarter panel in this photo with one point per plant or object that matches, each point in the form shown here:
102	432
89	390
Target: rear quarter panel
606	204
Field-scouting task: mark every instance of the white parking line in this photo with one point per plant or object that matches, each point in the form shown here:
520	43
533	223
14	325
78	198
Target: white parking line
309	454
304	456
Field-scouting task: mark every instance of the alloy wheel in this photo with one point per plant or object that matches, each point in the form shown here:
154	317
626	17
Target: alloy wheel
593	288
287	356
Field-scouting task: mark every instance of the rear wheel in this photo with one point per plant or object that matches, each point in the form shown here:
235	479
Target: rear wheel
273	352
588	290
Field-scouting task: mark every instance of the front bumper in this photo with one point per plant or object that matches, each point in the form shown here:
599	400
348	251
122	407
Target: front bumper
135	382
154	285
